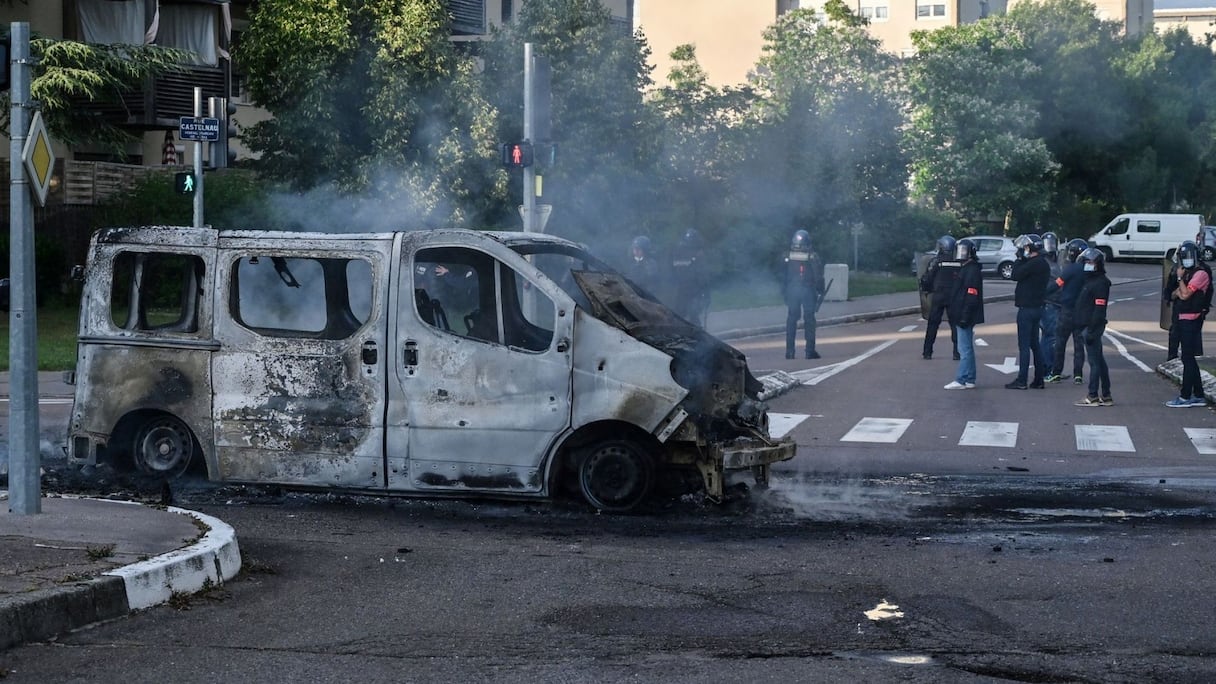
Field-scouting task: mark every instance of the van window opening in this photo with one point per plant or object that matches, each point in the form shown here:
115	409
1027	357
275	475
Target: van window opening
1148	227
278	296
156	292
467	293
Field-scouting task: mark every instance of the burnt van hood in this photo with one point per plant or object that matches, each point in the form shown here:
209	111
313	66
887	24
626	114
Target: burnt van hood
714	371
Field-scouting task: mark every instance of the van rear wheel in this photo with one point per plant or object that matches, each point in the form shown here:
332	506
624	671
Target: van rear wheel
163	445
616	475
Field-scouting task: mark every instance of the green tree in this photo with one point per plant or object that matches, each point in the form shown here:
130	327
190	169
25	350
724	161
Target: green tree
603	186
370	97
824	136
66	72
974	122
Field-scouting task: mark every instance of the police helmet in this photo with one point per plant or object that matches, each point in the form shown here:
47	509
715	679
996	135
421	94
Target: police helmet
801	241
1051	243
1188	254
1028	242
642	243
1095	256
964	250
1073	249
945	245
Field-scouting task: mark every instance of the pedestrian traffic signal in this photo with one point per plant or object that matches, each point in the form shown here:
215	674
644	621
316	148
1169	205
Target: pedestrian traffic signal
517	155
183	183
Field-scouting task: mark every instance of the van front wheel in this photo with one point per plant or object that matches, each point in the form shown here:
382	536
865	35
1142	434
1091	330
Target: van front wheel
163	446
616	475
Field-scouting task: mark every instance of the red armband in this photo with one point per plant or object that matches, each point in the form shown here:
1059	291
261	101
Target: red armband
1059	282
1099	302
972	291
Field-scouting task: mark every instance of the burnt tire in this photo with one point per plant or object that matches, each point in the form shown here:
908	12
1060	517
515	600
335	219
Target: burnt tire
615	475
163	445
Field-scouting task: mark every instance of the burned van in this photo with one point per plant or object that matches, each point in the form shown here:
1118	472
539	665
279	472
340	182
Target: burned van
444	362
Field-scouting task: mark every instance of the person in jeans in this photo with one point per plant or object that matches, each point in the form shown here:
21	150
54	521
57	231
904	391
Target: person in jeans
1090	315
1068	285
1051	302
1190	299
1031	272
967	310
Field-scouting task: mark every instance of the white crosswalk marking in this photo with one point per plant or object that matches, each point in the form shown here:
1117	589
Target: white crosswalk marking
909	328
882	430
988	433
1104	438
1204	439
780	424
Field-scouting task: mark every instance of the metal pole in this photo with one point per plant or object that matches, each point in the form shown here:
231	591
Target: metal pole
198	163
24	485
529	172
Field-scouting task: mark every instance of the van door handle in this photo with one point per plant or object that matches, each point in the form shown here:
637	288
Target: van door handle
410	358
563	345
371	355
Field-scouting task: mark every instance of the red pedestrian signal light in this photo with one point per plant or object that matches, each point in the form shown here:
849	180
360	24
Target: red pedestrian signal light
517	155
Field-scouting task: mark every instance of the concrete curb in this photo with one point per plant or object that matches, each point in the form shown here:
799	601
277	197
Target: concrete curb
206	563
46	613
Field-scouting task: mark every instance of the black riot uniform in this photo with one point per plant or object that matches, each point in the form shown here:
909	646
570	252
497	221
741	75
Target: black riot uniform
803	289
641	267
689	292
941	279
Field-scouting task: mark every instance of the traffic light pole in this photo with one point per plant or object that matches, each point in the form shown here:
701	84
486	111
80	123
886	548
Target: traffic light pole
24	485
198	162
529	208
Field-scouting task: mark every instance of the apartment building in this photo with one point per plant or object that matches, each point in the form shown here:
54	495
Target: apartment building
1199	21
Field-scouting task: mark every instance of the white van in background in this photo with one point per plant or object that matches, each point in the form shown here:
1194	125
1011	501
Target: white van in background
1146	236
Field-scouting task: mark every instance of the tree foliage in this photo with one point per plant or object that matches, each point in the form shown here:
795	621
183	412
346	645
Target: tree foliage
370	96
67	72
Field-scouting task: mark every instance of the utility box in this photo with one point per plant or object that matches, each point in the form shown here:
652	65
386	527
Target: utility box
836	277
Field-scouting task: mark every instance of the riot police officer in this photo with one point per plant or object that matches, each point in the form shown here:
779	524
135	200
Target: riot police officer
1031	273
1191	299
940	278
641	268
1051	303
1066	287
1090	316
803	289
689	292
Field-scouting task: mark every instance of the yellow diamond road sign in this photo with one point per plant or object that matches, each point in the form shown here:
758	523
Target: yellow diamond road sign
39	159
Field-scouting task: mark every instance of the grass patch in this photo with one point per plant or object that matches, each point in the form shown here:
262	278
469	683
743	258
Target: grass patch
100	552
747	295
56	338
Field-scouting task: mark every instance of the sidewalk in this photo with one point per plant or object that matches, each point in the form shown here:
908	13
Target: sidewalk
81	560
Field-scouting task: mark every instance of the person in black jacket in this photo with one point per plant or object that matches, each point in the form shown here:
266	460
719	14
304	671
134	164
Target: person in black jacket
940	278
1191	299
803	288
1031	272
967	311
1090	315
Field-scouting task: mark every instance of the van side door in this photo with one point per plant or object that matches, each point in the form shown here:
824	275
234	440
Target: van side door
299	378
481	389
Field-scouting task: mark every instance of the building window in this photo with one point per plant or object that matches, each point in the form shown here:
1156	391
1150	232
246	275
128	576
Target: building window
930	10
876	11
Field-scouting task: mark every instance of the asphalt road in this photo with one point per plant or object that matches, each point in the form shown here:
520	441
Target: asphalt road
916	558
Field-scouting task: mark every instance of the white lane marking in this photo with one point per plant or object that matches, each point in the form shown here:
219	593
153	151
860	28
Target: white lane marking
882	430
1126	354
47	400
988	433
1135	339
909	328
884	611
780	424
1103	438
981	342
1204	439
1124	299
1010	365
814	376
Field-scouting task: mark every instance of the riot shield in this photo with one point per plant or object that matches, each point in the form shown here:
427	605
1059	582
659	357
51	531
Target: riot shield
1167	308
926	298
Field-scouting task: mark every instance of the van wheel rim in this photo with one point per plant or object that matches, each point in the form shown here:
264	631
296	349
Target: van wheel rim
163	446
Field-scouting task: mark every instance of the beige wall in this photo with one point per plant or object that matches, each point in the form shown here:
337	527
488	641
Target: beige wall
45	16
728	34
1197	22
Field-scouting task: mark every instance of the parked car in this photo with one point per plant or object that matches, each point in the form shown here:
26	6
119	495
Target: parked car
996	255
1206	240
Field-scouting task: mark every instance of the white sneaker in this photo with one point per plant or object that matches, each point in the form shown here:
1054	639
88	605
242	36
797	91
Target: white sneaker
969	385
956	385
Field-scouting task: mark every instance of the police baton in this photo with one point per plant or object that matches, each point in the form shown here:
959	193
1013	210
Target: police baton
824	295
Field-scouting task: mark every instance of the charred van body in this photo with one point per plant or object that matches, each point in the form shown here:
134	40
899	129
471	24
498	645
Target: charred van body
442	362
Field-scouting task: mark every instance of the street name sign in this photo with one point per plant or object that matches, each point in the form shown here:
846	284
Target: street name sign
202	129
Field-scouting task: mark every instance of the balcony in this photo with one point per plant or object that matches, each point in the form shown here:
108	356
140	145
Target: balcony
160	103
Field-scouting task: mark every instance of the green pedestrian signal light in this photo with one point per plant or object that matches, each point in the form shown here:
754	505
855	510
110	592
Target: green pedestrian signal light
183	183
